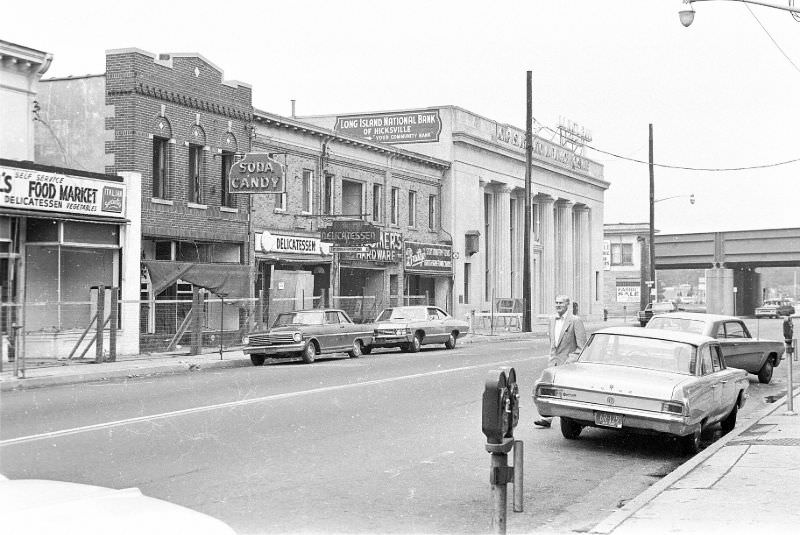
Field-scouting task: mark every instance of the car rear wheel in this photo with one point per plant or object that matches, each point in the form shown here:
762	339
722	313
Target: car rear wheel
570	428
366	350
730	421
357	350
451	341
690	444
309	352
257	360
765	373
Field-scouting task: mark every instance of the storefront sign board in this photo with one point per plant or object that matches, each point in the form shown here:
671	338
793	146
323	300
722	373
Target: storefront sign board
57	192
350	233
256	173
428	257
413	126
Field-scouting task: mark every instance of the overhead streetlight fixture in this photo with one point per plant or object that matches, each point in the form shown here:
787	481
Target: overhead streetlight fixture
686	14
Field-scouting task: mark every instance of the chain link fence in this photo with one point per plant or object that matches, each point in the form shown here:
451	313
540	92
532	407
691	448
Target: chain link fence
56	333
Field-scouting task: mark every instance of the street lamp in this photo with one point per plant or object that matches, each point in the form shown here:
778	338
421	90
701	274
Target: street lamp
653	201
686	13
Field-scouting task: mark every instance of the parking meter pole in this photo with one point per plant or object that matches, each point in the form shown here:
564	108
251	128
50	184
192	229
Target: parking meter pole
518	471
789	385
499	465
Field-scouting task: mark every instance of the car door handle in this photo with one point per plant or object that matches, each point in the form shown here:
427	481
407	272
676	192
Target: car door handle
715	386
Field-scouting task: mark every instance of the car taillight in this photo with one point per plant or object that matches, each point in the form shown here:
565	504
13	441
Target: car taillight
673	407
549	391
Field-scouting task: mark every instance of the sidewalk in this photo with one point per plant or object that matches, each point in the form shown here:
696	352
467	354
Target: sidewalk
744	483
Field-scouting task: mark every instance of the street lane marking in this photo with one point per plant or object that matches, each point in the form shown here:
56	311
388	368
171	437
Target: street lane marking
274	397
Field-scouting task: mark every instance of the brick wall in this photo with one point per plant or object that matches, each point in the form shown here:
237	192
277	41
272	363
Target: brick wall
182	98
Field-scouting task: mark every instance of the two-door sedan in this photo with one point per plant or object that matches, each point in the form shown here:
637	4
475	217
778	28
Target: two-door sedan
644	380
306	334
740	349
411	327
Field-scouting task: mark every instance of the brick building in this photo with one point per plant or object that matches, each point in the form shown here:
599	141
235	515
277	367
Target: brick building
174	119
331	179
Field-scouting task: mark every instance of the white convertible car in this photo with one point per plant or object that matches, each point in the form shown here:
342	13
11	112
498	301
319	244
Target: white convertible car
644	380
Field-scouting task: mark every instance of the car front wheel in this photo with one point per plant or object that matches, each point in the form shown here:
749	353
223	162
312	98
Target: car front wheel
415	344
765	373
451	341
366	350
257	360
356	351
570	428
309	352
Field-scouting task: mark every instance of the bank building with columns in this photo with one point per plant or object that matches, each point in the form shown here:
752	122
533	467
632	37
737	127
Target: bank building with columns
483	207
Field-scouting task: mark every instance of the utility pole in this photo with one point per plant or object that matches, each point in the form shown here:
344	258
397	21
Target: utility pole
652	220
526	270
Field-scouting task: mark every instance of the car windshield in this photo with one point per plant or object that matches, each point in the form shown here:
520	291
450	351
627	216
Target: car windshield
402	314
300	318
677	324
639	352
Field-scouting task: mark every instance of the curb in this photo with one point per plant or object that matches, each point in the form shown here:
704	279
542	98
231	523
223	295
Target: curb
105	375
612	522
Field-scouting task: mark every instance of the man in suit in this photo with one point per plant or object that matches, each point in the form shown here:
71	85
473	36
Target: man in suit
567	338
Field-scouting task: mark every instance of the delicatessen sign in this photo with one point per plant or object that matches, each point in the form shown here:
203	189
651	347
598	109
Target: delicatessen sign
56	192
266	242
428	257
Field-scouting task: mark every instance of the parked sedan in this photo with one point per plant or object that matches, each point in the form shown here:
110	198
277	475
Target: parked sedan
306	334
654	309
740	349
775	308
411	327
644	380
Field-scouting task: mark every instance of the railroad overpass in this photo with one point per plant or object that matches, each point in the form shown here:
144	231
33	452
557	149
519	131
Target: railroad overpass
730	260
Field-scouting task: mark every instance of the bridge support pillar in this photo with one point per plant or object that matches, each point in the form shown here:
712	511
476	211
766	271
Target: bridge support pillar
732	291
719	291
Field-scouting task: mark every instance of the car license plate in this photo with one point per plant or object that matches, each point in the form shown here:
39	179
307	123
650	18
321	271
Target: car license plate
608	419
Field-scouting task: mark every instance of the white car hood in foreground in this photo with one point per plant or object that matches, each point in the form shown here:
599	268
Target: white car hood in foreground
35	506
621	380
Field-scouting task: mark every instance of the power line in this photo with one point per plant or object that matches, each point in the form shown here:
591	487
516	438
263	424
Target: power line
681	167
774	42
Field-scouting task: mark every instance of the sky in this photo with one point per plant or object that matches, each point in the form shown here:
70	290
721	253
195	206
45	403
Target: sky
723	93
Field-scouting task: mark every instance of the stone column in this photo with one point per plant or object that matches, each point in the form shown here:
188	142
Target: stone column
547	237
502	241
583	261
564	249
480	267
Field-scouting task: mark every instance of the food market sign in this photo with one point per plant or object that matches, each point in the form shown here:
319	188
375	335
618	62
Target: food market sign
256	173
57	192
428	257
415	126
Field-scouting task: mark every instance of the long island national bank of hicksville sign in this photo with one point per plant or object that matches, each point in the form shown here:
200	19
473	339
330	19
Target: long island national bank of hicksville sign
414	126
256	172
433	258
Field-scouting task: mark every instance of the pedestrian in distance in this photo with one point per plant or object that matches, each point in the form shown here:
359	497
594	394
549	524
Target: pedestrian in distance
567	337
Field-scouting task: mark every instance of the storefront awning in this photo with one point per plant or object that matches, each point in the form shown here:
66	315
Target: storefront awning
227	280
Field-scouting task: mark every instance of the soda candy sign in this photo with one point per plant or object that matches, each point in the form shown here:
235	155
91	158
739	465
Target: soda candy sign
428	257
56	192
256	173
414	126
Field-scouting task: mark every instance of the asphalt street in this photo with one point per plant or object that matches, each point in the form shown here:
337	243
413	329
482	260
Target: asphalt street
388	443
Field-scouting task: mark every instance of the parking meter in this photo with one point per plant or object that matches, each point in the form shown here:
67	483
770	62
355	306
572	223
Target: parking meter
500	406
788	334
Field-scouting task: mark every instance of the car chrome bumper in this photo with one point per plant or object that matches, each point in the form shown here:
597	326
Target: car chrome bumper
274	350
390	340
631	418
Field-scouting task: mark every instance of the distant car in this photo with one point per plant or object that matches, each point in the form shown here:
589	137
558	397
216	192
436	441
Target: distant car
774	308
644	380
741	350
411	327
306	334
37	506
653	309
